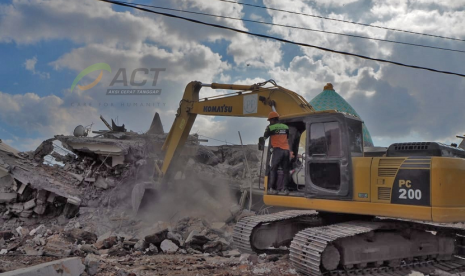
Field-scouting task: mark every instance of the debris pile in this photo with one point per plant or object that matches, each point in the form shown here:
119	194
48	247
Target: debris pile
29	189
210	243
79	171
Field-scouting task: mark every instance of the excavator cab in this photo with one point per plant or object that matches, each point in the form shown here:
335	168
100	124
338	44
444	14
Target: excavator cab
331	140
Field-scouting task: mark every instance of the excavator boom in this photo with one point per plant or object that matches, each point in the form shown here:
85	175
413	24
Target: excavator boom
249	101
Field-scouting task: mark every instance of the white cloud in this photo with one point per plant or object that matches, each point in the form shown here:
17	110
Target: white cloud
251	51
45	115
30	65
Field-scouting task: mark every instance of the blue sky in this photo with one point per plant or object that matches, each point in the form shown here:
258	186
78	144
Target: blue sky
45	44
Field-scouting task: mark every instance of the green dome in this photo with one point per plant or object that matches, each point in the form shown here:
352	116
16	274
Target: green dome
330	99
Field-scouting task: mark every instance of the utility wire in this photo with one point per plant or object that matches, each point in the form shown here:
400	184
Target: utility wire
340	20
283	40
218	140
294	27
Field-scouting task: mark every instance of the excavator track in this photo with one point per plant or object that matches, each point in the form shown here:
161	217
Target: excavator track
244	229
425	267
310	250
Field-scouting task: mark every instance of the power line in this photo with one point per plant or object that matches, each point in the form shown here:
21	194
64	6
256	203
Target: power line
283	40
340	20
218	140
295	27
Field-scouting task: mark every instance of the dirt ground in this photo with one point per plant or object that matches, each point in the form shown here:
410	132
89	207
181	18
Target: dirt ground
171	265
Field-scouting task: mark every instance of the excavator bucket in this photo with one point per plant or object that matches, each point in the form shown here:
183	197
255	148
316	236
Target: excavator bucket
143	190
141	193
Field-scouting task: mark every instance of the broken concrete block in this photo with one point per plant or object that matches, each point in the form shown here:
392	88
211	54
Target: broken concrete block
3	252
92	263
157	238
79	235
88	248
38	240
232	253
176	238
57	247
30	251
26	214
212	247
38	231
16	208
168	246
51	198
22	188
63	267
15	186
140	245
128	244
30	204
101	183
152	249
90	179
40	209
195	238
73	200
7	197
107	243
22	231
41	196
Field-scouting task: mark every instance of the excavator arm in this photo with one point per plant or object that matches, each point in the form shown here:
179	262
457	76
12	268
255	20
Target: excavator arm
249	101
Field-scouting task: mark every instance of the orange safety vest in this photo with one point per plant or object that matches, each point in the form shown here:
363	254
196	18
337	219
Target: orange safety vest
279	133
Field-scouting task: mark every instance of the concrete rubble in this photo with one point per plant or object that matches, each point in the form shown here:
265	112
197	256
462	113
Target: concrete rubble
189	245
70	199
82	168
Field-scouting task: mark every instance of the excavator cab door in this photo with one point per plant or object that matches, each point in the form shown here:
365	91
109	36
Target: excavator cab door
332	139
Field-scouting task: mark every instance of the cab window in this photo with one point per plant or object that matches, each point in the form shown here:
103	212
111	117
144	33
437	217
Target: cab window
325	139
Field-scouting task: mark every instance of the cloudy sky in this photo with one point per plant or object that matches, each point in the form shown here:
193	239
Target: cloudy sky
45	44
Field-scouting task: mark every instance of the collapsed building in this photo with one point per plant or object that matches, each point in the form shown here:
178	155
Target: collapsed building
68	172
115	157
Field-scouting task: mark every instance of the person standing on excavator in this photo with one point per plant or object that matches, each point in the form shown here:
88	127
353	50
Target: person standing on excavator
279	133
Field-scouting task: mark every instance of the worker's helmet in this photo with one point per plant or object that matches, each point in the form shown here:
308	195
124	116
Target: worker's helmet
273	114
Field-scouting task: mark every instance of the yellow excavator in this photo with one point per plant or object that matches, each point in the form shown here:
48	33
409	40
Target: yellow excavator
353	214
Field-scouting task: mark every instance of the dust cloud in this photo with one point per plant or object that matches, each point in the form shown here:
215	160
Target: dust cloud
190	196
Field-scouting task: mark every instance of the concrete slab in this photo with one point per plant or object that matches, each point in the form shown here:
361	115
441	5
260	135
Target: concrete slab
63	267
7	197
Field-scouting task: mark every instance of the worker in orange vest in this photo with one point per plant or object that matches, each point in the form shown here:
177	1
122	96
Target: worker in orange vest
278	133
